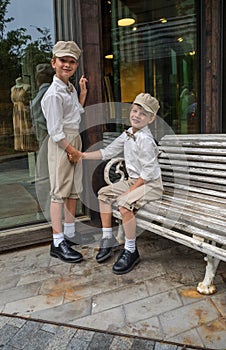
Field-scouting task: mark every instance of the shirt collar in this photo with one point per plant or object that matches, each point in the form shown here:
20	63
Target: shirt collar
62	84
145	130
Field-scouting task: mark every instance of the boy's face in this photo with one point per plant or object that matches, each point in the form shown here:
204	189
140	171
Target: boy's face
65	67
139	118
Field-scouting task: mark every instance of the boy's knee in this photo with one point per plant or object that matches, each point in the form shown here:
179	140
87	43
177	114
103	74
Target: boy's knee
124	211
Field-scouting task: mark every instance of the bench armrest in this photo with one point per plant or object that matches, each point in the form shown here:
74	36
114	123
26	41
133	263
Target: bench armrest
115	171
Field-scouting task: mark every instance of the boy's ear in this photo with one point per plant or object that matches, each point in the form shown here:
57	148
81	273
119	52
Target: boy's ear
152	119
53	62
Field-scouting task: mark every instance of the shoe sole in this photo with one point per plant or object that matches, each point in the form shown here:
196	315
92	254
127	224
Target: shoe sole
128	270
65	260
107	256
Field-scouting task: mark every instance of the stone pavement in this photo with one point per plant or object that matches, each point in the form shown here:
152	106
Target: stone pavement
18	333
86	304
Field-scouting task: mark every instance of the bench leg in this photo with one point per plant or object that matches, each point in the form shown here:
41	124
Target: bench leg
207	286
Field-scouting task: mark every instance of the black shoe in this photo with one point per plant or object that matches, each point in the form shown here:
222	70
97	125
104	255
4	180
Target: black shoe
106	247
65	253
80	239
126	262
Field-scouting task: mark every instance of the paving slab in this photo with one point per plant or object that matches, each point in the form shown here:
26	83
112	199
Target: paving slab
157	301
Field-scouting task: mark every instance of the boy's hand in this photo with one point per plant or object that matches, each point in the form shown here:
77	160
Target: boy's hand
82	83
74	156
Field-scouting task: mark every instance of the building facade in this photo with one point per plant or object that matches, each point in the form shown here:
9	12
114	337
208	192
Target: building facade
172	49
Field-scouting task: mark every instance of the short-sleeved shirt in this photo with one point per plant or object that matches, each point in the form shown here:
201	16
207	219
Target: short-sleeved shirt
61	109
140	153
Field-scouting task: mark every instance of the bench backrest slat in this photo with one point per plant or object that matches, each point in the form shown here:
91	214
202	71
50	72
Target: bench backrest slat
194	163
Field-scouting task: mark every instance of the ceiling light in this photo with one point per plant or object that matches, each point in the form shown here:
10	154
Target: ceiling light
124	22
109	56
180	39
163	20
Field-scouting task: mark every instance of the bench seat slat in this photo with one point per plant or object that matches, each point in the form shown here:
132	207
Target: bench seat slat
219	203
191	242
182	227
187	215
202	202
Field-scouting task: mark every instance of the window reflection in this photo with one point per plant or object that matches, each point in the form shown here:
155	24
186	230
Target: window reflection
26	39
157	53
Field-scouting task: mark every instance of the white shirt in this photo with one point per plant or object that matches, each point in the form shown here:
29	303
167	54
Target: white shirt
61	109
141	154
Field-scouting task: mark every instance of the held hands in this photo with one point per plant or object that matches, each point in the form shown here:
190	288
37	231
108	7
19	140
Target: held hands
74	156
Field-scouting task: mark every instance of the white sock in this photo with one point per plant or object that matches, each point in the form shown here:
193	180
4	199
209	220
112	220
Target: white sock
107	232
130	244
69	229
58	238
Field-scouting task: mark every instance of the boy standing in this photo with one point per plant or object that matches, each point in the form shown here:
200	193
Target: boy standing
62	110
143	185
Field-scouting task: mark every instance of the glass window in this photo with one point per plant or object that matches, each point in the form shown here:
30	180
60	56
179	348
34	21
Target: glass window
151	46
28	30
25	45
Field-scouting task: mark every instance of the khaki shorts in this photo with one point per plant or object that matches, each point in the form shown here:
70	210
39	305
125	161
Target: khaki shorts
135	199
65	178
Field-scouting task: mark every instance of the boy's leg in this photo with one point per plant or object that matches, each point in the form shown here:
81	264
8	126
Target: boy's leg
70	205
129	256
108	240
108	195
71	234
56	217
59	248
105	214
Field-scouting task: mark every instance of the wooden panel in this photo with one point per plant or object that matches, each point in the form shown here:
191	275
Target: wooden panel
213	69
26	236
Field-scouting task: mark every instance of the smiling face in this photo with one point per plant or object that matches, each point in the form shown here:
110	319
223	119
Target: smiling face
139	118
65	67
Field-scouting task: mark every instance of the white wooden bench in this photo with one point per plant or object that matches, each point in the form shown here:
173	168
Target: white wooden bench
192	210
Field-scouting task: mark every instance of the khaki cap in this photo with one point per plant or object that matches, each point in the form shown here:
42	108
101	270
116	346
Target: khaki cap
148	102
44	68
66	48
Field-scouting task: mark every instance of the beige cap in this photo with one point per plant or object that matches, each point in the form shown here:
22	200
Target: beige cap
148	102
66	48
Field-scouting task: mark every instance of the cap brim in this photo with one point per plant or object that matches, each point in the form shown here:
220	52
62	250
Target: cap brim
146	108
63	54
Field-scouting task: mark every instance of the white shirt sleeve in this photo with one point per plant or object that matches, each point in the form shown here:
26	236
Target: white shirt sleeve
53	111
115	148
150	169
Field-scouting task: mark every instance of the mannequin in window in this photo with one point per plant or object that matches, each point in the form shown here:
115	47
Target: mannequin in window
23	134
187	98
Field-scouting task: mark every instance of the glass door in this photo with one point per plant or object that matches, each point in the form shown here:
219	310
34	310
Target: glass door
150	46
